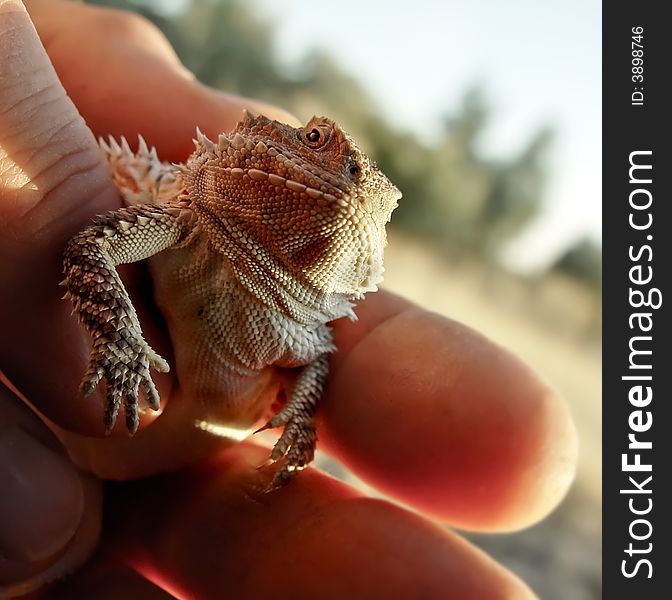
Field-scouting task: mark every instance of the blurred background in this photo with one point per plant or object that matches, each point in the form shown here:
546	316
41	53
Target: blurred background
487	115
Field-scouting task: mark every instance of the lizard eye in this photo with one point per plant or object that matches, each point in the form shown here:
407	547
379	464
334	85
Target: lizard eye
314	136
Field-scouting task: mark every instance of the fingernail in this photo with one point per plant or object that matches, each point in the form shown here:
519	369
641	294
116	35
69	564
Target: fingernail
41	498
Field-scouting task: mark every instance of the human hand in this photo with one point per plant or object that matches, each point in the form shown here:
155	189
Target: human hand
455	427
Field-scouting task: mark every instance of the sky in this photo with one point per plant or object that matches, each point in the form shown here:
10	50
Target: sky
539	62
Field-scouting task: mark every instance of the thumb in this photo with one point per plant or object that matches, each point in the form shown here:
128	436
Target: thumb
49	513
52	180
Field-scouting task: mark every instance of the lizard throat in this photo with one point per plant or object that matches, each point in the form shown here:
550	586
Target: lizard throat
271	282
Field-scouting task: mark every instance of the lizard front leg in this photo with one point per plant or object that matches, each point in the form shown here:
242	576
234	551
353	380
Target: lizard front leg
120	353
298	439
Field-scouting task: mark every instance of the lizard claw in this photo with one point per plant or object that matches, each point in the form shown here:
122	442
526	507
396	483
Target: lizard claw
282	418
157	362
296	448
125	365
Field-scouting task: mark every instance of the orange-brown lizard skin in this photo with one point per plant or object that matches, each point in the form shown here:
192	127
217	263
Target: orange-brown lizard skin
256	243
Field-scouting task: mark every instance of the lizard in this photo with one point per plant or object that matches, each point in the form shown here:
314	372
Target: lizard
254	244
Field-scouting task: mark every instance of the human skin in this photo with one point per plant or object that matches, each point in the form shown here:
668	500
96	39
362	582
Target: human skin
455	427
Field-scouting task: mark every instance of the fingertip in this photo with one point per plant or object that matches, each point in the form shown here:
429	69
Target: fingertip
437	416
543	483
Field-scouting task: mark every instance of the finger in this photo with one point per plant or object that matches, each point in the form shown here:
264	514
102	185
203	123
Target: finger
49	513
52	181
436	415
145	90
211	531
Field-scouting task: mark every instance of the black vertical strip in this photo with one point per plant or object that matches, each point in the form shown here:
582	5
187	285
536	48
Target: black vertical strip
637	398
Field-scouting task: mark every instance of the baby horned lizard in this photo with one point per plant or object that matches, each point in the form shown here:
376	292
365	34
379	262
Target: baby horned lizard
269	234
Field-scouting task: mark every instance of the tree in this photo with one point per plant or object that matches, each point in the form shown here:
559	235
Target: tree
582	261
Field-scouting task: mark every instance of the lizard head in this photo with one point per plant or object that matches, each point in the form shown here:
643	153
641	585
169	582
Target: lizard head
305	199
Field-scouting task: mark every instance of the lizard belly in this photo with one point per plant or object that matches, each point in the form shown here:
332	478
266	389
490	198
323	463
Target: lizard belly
231	352
198	297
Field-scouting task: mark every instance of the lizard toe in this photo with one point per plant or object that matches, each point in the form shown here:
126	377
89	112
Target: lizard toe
112	406
131	410
282	418
158	362
283	444
150	392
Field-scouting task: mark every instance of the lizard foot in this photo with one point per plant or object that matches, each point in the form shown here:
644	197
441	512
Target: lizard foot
125	364
296	448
